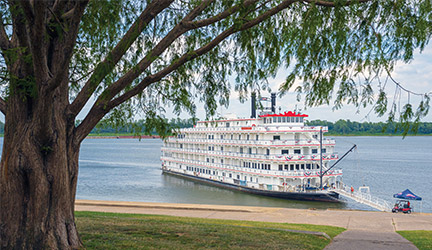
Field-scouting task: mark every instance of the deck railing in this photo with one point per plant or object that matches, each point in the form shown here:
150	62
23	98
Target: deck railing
228	167
281	158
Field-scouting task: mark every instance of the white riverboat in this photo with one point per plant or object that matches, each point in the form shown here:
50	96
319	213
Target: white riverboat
272	154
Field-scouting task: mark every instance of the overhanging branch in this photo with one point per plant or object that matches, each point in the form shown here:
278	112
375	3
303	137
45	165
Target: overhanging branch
185	25
108	64
101	108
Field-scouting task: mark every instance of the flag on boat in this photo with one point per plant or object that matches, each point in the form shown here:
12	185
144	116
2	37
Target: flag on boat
264	99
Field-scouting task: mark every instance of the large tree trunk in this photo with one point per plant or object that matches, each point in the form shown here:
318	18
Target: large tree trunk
39	170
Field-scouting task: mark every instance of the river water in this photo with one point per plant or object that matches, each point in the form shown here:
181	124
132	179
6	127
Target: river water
129	170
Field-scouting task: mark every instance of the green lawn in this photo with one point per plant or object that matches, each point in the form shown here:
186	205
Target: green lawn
129	231
421	239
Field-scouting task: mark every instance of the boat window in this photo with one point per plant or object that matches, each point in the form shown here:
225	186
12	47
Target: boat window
285	151
239	137
238	177
212	160
268	151
265	120
247	137
276	137
280	167
317	166
302	166
250	151
308	166
208	159
279	119
297	166
283	119
221	148
301	119
251	179
221	136
257	137
323	150
292	119
230	175
222	161
291	167
314	151
241	150
297	151
274	119
227	124
269	120
297	119
231	137
286	167
181	145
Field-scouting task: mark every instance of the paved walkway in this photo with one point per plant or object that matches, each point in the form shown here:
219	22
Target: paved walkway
365	229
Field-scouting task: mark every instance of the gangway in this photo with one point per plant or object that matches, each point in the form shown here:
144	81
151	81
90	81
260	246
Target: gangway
363	196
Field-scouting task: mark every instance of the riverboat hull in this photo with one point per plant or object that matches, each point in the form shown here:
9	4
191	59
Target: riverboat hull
328	196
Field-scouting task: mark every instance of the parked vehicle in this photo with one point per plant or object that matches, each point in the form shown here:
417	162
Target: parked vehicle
402	206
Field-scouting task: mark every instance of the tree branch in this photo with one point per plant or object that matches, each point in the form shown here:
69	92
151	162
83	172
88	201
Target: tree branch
101	108
36	20
182	27
333	4
220	16
63	54
108	64
136	71
19	34
4	40
28	10
2	106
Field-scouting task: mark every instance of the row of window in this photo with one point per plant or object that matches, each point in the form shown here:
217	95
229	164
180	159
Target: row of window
283	151
283	119
292	167
248	137
255	165
210	172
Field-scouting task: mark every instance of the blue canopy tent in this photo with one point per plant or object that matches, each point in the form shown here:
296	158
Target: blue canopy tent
408	195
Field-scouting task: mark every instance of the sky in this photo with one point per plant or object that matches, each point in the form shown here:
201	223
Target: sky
415	76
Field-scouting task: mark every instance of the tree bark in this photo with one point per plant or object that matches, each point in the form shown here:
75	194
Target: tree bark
39	170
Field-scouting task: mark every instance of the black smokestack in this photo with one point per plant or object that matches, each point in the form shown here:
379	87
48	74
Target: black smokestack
273	102
253	105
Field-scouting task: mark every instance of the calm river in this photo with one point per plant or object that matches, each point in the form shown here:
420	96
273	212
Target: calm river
129	170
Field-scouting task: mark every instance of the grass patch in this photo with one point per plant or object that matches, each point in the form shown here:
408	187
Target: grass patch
132	231
420	238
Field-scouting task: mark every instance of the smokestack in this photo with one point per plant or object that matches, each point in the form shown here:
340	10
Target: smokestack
273	102
253	101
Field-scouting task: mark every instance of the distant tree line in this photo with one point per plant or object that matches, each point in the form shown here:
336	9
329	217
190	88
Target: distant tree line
347	127
341	127
139	127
